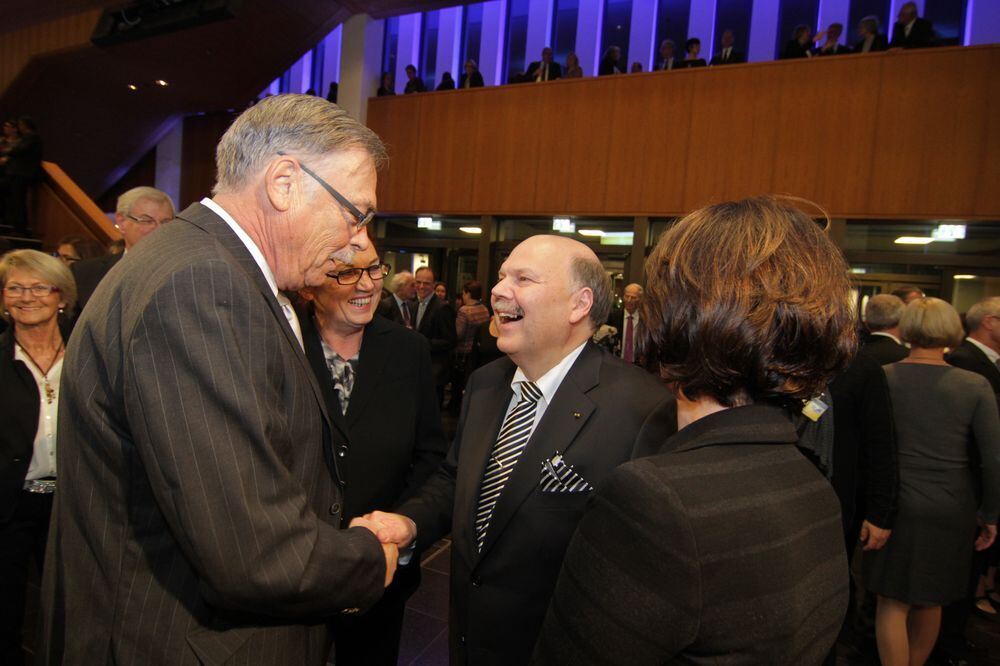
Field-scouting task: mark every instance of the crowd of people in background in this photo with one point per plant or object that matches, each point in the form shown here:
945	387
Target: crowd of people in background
20	169
909	32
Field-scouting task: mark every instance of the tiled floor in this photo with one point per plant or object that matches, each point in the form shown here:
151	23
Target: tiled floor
425	625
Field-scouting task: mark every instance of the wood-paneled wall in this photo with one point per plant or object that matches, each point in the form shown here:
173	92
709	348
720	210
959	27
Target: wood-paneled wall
19	46
894	135
60	208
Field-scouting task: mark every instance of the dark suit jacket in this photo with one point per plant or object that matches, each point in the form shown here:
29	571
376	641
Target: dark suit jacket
735	57
389	309
414	85
724	549
19	401
884	349
198	508
970	357
438	326
793	49
688	64
603	413
839	49
921	35
607	67
617	319
477	80
89	273
390	440
555	70
25	157
865	473
878	44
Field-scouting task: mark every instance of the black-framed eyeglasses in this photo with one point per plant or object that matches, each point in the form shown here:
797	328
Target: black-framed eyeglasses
37	290
144	220
353	275
362	220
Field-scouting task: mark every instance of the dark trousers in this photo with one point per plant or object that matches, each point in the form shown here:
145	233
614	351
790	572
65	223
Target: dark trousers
372	639
22	538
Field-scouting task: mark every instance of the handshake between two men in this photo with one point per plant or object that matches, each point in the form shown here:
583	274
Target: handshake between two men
394	531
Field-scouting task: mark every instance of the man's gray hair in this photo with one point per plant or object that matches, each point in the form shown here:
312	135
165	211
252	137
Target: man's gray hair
301	125
988	307
129	199
397	280
883	312
588	272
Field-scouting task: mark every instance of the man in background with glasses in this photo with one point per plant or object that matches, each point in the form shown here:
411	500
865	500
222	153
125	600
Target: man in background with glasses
199	519
139	212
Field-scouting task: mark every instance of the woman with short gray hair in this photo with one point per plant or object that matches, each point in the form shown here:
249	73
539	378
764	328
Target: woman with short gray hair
941	413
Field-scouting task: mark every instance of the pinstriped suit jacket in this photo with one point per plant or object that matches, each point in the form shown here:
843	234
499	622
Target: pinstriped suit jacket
197	515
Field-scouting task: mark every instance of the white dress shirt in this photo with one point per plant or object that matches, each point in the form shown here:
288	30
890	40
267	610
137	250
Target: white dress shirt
258	256
43	457
548	384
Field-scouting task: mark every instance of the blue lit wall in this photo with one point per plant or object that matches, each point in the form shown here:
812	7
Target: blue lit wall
503	36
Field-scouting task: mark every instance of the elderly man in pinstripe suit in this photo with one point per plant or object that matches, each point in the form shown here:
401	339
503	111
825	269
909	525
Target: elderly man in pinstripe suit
198	516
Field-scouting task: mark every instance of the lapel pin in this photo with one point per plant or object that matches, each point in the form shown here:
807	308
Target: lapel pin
577	415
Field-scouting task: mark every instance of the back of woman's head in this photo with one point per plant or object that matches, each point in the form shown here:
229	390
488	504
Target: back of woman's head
749	301
931	323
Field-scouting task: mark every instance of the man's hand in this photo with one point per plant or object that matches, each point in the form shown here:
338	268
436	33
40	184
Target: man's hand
392	528
987	533
391	560
872	537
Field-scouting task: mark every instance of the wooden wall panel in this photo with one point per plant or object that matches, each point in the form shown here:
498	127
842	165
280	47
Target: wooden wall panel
19	46
900	134
506	172
931	130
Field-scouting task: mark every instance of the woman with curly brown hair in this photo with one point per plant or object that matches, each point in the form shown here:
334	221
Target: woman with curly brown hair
726	546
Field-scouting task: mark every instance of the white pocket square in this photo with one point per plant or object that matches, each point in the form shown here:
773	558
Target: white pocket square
560	477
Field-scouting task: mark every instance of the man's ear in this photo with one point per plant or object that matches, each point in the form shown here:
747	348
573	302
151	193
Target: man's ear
280	182
119	221
582	302
307	293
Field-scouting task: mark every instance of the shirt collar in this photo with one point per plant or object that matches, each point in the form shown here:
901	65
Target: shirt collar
252	248
548	383
890	336
990	353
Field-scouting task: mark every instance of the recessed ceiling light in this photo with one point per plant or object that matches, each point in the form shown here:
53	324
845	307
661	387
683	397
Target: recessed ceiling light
160	82
471	230
596	233
964	277
133	87
914	240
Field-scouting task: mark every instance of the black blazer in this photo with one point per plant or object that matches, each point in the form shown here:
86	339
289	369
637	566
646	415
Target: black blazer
879	43
477	80
414	85
970	357
735	57
438	326
723	549
793	49
603	413
390	440
884	349
89	273
921	35
607	67
388	308
19	401
688	64
865	472
839	49
555	70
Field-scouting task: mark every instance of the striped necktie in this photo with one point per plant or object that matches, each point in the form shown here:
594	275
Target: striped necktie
514	435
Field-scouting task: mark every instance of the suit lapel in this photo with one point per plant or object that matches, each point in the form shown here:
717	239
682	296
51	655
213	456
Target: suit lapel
487	407
206	219
569	411
425	321
374	354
